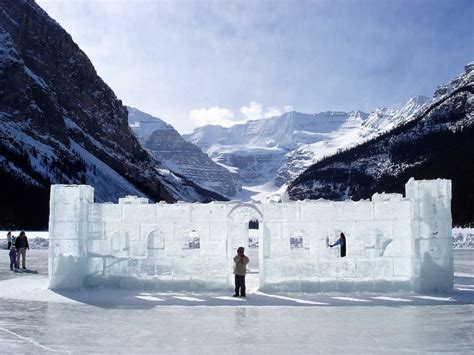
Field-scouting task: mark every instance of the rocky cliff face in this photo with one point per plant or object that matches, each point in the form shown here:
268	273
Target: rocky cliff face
182	157
438	142
60	123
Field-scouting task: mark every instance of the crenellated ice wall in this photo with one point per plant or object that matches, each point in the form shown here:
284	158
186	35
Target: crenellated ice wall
393	242
378	241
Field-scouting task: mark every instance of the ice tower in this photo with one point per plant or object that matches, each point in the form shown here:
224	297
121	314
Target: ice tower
68	235
432	234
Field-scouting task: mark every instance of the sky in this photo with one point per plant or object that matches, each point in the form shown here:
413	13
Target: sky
223	62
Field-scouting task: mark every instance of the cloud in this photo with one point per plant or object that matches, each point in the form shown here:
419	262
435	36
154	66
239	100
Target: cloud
255	110
277	111
212	116
225	117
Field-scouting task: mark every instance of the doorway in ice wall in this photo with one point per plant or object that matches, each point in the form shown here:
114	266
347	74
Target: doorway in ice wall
245	229
253	270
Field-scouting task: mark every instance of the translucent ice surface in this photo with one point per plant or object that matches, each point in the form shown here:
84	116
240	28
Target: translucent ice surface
38	320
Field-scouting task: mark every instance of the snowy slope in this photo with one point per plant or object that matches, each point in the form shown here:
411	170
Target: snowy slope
143	125
274	151
257	148
182	157
437	141
358	129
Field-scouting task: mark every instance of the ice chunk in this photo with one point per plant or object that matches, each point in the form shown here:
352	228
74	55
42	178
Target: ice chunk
281	212
133	200
375	267
317	211
342	267
139	213
392	210
167	213
209	212
360	211
111	212
72	194
386	197
402	266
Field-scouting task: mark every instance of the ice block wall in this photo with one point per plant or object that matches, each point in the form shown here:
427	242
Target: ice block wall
392	242
158	246
378	243
135	244
68	235
432	237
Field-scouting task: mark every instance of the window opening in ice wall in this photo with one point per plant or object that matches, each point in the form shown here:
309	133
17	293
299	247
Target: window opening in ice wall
192	240
253	234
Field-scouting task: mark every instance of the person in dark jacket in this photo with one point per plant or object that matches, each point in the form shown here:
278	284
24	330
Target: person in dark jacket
240	269
342	242
12	254
21	244
9	240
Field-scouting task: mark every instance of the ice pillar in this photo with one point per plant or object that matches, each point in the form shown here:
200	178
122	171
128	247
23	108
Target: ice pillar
68	220
432	237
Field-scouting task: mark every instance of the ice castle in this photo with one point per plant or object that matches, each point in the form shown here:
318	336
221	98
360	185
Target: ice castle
393	242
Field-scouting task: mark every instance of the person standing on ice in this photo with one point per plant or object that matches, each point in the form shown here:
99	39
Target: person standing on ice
342	242
9	240
240	269
21	245
13	262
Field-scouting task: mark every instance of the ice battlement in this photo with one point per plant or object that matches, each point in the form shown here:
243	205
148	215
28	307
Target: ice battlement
393	242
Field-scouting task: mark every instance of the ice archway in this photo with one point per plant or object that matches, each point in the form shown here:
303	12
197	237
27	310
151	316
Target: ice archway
239	218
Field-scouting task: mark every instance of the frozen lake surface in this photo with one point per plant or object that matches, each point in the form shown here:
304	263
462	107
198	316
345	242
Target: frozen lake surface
36	320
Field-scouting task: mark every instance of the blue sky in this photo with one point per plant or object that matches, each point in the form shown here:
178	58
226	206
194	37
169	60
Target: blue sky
197	62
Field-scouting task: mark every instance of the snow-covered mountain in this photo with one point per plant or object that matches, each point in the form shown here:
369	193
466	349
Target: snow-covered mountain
180	156
143	125
358	129
277	149
256	149
60	123
436	142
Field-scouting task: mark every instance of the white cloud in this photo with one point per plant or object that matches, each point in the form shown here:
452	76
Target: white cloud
277	111
255	110
224	117
212	116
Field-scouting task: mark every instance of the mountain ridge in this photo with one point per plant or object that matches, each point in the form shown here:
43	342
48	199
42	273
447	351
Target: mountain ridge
180	156
437	143
61	123
277	149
